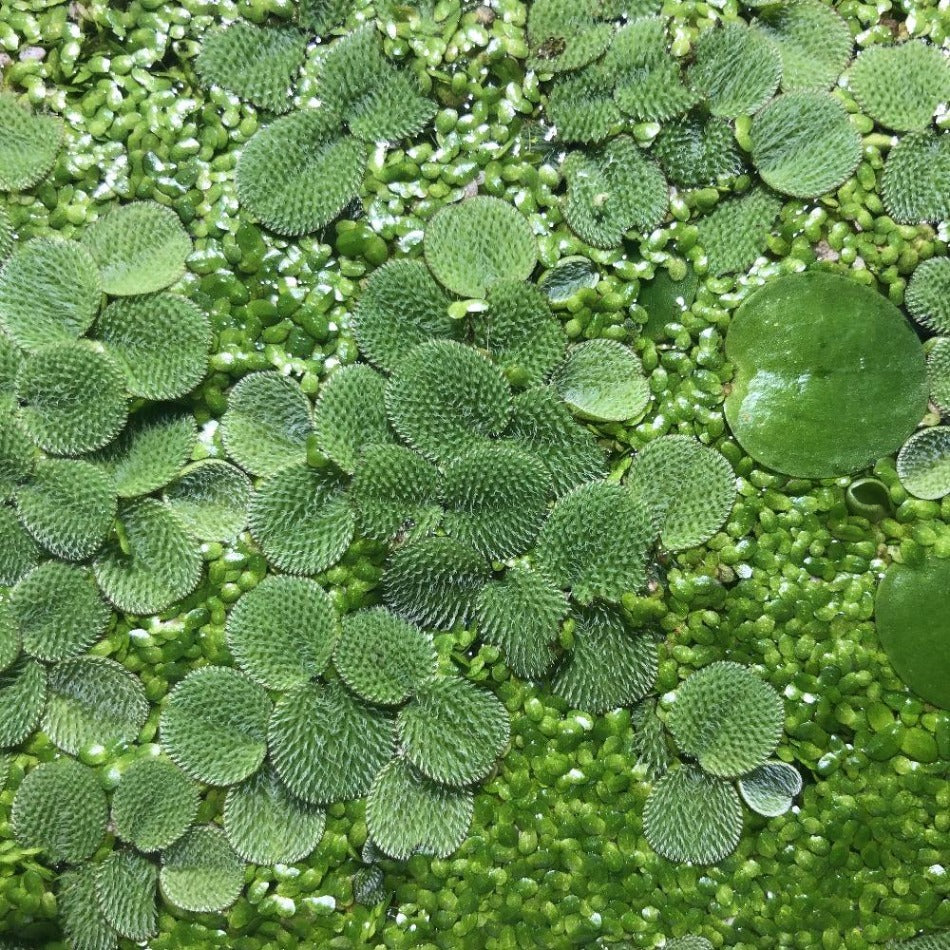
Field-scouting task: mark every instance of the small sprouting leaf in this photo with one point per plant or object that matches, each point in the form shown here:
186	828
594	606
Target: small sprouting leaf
78	907
569	276
369	885
444	396
268	825
565	35
161	342
736	231
49	293
726	718
125	887
257	63
326	744
22	699
770	788
473	245
321	16
301	519
649	739
804	145
381	657
282	632
201	872
610	665
9	651
691	816
19	553
214	725
938	374
93	701
210	498
697	151
690	488
298	173
433	581
140	248
152	563
351	415
17	456
72	398
154	804
408	814
603	380
267	423
452	731
29	145
688	943
60	808
916	180
927	297
58	611
923	463
68	507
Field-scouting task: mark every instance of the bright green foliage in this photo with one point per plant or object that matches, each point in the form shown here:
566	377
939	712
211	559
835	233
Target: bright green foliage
201	872
351	415
29	145
326	744
690	488
813	41
60	808
267	825
140	248
151	563
736	69
93	701
210	498
406	813
737	230
923	463
695	151
611	190
830	376
610	664
911	611
401	307
938	374
22	699
162	342
257	63
394	489
298	173
581	105
321	16
928	294
282	632
596	542
267	423
154	804
522	612
49	293
9	648
18	551
691	816
376	100
72	398
452	731
770	788
542	423
214	725
382	658
473	245
901	86
68	507
603	380
804	145
78	906
125	886
495	497
520	333
58	611
433	581
446	396
726	718
916	180
301	519
565	35
17	455
149	452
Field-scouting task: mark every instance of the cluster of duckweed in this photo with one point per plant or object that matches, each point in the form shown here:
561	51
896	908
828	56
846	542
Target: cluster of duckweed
788	585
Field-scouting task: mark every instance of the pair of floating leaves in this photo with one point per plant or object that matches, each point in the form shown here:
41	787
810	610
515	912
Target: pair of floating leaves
29	145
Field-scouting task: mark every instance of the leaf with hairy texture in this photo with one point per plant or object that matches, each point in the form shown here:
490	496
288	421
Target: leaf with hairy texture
770	788
210	498
201	872
29	144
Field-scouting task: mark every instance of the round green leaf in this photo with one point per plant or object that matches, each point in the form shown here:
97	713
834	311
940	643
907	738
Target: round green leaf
938	373
78	907
927	297
9	651
140	248
829	376
603	380
29	145
210	498
201	872
22	699
18	551
125	887
737	230
770	788
214	725
569	276
17	456
923	464
916	180
565	35
478	243
697	151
